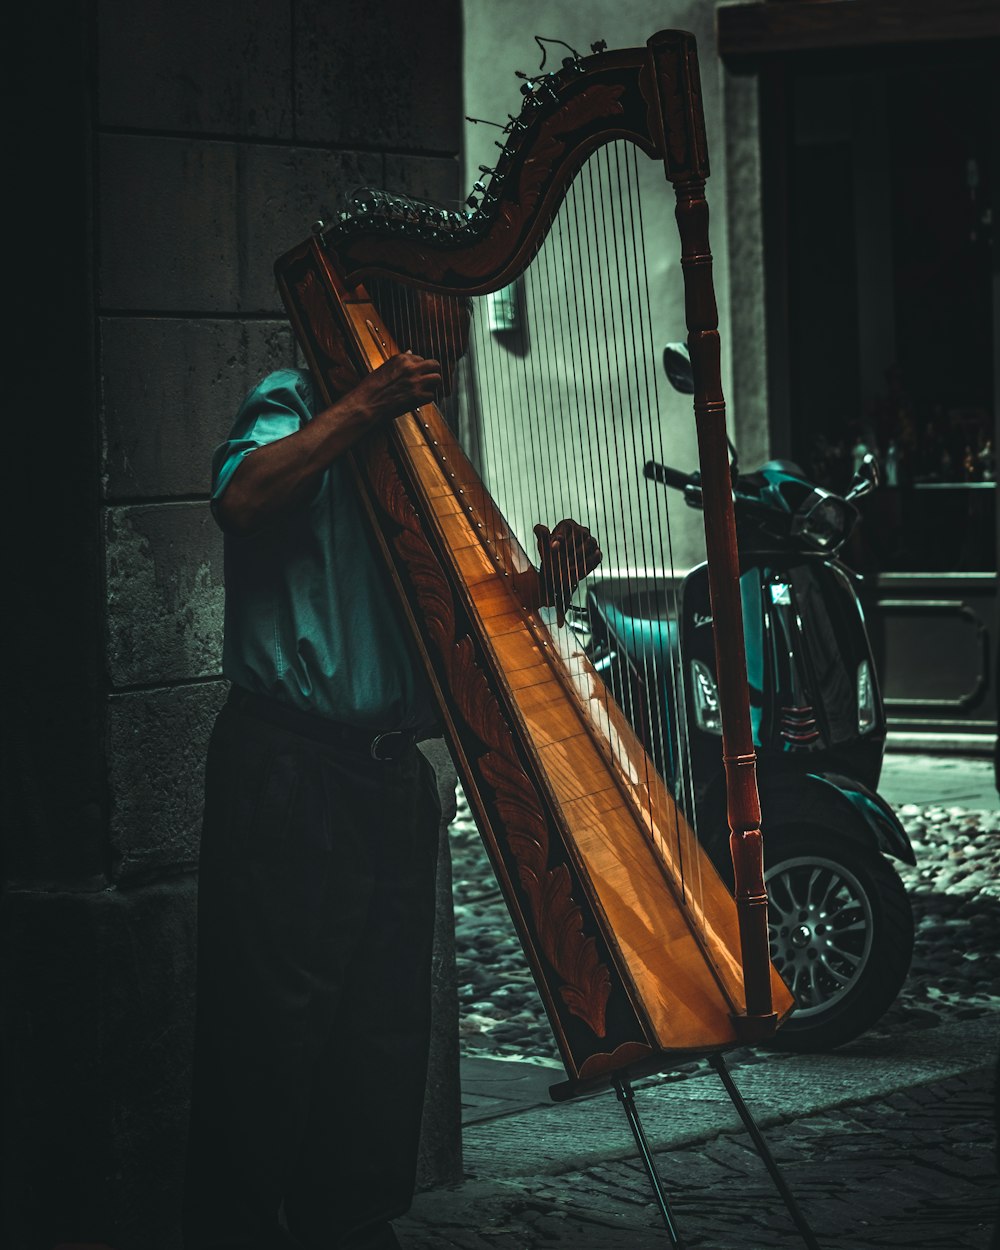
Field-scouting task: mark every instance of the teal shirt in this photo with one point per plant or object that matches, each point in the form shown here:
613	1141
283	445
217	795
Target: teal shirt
311	618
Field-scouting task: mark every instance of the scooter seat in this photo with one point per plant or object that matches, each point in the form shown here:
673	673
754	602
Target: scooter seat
639	621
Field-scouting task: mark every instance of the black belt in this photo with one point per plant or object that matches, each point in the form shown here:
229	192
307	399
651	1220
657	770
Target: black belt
383	746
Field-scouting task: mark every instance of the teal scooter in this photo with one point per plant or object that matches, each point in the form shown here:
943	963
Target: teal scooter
841	927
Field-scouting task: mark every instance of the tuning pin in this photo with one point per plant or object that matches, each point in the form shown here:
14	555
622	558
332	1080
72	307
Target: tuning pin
479	186
472	202
599	46
318	227
485	169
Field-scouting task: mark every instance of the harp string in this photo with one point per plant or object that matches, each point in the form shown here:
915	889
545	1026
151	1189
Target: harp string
613	412
640	528
500	430
684	786
640	554
582	218
655	681
642	559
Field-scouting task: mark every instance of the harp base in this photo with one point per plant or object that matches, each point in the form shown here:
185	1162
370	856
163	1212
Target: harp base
760	1145
751	1029
627	1099
622	1087
653	1065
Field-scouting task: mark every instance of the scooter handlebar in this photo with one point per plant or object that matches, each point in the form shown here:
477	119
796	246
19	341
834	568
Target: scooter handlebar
667	476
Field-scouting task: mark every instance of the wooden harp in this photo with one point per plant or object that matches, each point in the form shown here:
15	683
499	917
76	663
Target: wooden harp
639	951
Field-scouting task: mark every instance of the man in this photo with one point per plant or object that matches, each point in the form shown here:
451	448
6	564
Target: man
316	890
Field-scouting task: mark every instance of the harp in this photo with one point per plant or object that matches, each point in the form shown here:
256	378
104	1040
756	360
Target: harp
639	951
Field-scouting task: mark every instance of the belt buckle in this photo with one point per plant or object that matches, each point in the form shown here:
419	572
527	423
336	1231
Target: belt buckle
378	741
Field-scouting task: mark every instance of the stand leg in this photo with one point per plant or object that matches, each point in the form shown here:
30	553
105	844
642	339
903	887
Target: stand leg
627	1099
719	1064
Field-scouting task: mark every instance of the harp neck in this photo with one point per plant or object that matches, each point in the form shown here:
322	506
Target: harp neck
649	96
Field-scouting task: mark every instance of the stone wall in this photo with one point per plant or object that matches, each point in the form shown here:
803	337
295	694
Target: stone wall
168	153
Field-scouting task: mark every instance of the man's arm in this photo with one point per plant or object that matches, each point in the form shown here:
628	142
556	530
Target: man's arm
276	478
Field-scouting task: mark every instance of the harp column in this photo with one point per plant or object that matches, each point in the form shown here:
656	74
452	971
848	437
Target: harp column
685	156
739	757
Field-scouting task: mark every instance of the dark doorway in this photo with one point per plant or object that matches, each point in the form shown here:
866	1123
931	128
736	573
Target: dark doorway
880	209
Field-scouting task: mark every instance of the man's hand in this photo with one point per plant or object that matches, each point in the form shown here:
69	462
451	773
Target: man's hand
279	476
403	383
568	554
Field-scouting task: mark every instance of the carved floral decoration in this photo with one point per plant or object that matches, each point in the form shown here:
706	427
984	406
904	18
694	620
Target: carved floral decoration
557	918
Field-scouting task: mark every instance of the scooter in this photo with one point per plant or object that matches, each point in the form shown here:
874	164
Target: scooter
841	928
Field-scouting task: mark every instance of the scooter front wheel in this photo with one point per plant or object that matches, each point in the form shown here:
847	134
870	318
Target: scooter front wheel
841	934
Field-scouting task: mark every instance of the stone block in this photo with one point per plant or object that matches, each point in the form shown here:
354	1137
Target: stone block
194	226
157	744
97	1039
169	214
372	75
164	593
206	68
217	68
170	389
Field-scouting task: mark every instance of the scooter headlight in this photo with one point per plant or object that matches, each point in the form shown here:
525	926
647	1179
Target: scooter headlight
823	521
707	715
866	698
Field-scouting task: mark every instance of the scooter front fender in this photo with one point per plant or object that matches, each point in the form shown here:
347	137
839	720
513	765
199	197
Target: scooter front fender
836	801
828	799
877	817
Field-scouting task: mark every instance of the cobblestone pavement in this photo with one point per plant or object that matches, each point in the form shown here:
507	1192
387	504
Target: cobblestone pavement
889	1155
954	891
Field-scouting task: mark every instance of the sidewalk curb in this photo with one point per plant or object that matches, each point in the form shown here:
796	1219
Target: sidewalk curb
546	1139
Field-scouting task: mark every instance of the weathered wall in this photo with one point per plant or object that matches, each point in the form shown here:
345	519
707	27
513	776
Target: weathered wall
180	148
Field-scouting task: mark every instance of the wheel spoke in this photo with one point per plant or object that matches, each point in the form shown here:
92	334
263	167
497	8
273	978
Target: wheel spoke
791	880
839	977
858	927
816	875
803	991
819	992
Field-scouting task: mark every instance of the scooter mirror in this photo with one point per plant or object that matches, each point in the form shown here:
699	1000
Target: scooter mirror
866	478
677	365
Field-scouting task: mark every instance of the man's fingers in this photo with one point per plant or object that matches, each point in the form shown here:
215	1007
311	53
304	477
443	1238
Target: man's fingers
569	552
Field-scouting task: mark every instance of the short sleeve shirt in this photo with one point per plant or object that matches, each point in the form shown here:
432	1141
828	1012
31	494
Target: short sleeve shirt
311	618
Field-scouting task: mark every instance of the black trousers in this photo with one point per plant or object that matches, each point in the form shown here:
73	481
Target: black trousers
315	923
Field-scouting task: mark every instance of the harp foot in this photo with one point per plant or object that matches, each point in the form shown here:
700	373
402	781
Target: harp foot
626	1097
750	1029
761	1146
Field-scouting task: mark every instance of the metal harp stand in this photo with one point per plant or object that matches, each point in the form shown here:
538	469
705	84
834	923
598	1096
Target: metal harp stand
626	1096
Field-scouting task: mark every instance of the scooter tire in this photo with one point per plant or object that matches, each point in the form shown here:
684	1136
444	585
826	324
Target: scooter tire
844	977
